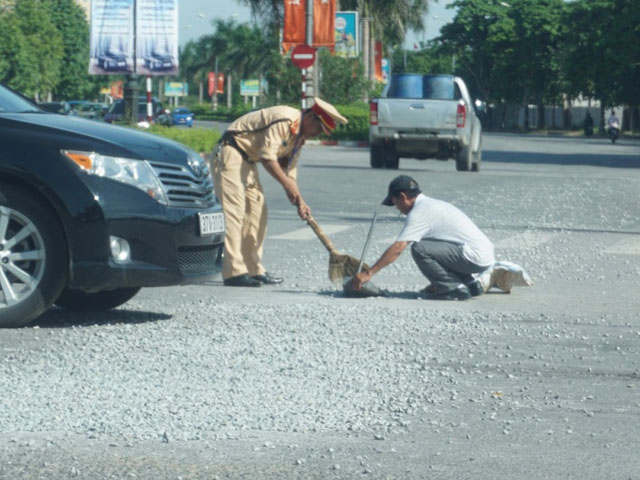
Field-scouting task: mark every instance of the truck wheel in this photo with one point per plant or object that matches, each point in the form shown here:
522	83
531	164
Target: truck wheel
391	159
477	160
33	257
80	301
377	155
464	159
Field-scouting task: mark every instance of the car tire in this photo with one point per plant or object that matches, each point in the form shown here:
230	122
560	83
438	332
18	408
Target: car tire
464	159
377	155
28	229
81	301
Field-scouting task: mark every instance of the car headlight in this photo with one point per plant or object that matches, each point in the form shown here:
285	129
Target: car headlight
137	173
188	119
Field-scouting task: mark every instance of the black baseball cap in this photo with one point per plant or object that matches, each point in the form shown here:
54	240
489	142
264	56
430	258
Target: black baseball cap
402	183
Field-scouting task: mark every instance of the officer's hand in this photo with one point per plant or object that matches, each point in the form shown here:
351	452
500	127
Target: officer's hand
303	210
292	192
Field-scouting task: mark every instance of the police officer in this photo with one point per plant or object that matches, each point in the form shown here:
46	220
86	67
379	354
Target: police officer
273	137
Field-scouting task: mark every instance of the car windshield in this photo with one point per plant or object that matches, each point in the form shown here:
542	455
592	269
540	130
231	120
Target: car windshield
11	102
435	87
181	111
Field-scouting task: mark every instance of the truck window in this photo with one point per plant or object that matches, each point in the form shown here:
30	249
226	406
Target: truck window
435	87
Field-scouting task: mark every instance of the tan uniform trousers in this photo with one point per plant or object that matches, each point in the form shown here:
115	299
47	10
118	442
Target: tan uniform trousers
238	188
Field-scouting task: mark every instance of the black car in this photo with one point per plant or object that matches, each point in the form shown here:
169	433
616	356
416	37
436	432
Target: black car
159	115
158	61
90	213
63	108
113	60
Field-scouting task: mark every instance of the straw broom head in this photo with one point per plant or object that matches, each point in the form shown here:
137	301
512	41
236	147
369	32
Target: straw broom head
342	266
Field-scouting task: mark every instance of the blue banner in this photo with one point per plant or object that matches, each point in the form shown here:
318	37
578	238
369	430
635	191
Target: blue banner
346	32
111	50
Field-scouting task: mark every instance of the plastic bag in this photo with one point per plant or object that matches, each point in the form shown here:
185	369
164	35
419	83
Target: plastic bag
504	275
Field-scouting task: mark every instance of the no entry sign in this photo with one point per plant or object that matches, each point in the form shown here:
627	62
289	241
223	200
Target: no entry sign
303	56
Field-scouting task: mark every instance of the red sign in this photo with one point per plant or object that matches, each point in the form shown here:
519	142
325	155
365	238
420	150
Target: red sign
213	85
303	56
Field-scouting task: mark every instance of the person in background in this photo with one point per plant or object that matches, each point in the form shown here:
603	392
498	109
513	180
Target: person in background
446	245
272	137
588	124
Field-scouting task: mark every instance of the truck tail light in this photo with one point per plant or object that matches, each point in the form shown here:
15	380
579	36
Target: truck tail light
461	117
373	112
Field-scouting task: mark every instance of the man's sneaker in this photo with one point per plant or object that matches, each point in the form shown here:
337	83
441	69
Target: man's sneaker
460	293
475	288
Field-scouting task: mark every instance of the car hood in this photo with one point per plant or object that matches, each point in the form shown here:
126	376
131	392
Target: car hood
76	133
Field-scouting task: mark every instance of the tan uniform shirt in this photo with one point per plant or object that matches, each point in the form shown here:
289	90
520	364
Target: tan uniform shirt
270	134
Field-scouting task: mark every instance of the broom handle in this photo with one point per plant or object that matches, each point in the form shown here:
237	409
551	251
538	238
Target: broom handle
366	243
320	234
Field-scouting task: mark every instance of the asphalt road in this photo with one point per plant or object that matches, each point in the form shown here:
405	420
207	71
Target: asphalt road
540	383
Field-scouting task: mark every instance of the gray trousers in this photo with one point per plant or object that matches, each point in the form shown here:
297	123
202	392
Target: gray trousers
443	263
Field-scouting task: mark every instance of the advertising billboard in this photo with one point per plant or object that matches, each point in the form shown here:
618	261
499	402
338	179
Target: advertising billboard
346	32
157	37
111	45
116	28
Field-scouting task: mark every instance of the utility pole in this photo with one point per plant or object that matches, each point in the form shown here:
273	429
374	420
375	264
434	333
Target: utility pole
131	86
308	73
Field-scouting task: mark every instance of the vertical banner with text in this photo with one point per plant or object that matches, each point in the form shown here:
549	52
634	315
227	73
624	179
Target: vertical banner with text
324	20
111	50
157	37
294	24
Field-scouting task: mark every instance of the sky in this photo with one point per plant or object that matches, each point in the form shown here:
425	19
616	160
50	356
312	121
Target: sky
195	17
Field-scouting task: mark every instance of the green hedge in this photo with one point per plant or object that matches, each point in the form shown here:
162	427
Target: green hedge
358	127
198	139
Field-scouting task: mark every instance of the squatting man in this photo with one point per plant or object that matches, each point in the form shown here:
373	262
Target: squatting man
446	245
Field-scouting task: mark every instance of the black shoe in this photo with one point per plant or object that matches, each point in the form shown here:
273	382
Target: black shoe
243	280
475	288
460	293
268	279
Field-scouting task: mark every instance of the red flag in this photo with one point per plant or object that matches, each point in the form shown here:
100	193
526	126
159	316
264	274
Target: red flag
294	24
377	61
324	21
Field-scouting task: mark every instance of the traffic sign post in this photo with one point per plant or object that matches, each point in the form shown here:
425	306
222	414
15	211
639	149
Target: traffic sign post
303	57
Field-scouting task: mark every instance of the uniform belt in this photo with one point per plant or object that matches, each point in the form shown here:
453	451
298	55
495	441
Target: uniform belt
228	139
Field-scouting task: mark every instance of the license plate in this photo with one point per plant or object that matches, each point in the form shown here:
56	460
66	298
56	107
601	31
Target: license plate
211	223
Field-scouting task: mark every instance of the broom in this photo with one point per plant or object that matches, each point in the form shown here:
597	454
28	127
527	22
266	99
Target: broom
340	265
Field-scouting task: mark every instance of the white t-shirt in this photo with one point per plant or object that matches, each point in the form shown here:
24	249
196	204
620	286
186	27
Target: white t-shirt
432	219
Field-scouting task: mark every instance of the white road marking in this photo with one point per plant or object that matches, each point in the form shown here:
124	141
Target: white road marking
525	240
628	246
307	234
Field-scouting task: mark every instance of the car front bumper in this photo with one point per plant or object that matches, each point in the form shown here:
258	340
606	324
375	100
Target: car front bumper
166	245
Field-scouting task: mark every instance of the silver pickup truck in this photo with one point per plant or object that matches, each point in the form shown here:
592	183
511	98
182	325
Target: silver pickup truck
425	116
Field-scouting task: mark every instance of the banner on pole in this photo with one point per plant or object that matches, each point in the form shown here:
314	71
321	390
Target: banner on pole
324	19
346	34
294	24
157	37
215	83
377	61
111	43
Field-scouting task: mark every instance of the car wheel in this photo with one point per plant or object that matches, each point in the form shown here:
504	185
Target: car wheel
464	159
33	257
377	155
97	301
